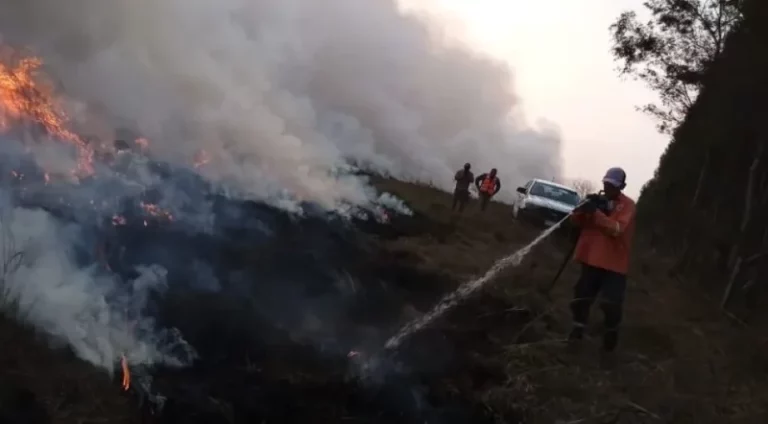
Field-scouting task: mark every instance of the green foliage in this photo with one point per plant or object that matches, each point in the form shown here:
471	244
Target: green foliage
709	196
672	51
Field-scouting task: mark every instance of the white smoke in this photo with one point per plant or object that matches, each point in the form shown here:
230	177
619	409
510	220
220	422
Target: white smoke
100	317
281	93
388	200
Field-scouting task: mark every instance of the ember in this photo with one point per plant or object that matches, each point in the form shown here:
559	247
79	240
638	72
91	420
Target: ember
155	211
126	373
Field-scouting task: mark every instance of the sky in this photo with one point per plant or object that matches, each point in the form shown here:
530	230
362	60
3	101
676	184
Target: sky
559	53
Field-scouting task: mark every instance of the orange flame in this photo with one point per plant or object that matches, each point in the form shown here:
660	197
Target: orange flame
25	96
126	373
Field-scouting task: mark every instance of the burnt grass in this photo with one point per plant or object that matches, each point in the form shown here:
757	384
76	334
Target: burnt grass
290	299
281	305
260	361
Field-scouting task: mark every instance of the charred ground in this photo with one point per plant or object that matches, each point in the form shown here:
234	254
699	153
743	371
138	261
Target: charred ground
274	349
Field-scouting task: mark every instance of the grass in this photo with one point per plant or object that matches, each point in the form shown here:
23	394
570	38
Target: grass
39	384
681	360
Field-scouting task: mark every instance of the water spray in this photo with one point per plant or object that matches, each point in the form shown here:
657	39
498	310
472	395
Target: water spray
369	366
455	297
568	256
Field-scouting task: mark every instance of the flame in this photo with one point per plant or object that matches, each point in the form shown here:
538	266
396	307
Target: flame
26	96
201	158
126	373
154	210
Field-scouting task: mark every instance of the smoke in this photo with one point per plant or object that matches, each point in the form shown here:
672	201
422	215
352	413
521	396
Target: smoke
283	94
286	97
99	316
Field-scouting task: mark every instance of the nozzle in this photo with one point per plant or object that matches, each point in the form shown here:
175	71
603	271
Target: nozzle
584	202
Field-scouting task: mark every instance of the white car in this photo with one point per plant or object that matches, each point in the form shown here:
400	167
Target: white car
544	202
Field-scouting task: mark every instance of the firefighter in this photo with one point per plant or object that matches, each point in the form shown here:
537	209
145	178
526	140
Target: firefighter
463	178
487	186
607	225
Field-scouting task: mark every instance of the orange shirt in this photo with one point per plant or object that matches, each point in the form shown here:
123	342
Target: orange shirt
605	241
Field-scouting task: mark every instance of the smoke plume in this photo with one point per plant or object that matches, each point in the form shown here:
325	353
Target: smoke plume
99	316
285	97
284	93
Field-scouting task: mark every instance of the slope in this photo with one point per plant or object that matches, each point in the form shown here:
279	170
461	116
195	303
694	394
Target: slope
496	357
705	204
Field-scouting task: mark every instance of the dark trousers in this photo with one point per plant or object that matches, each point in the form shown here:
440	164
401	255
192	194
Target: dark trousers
612	287
485	198
460	199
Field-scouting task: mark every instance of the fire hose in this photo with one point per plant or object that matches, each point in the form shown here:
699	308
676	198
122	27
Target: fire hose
601	201
566	260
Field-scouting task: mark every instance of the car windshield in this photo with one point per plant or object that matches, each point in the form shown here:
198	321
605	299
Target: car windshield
558	194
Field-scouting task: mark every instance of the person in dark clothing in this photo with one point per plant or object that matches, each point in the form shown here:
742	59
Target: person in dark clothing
487	186
463	178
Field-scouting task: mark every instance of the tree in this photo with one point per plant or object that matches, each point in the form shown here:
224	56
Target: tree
672	50
706	201
583	187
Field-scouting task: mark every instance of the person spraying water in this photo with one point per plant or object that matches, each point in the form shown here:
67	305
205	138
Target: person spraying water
608	213
607	224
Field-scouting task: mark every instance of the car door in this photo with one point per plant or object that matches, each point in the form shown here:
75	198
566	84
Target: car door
521	197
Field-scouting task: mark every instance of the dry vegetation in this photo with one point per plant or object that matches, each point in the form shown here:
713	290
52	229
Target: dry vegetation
40	385
682	361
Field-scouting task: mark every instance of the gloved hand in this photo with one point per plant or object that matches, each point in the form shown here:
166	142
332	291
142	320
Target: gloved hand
595	198
591	203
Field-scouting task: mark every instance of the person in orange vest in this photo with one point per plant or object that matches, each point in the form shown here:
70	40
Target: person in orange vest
487	186
607	225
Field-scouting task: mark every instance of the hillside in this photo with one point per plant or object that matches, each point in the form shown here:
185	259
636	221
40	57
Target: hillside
496	358
706	202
